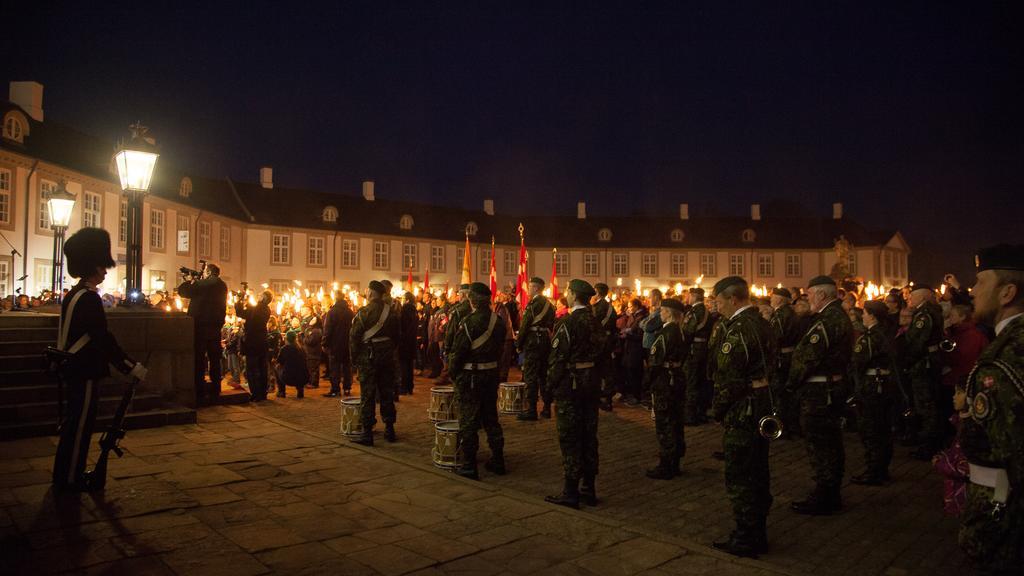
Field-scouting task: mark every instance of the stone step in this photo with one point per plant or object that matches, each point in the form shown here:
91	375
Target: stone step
155	418
22	334
16	378
47	392
21	347
28	320
44	411
14	362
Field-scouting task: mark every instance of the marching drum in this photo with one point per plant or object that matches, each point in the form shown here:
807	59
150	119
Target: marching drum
446	453
350	423
512	397
442	404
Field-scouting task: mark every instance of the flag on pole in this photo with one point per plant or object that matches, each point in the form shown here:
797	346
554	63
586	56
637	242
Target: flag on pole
467	265
410	278
426	279
523	279
494	274
554	274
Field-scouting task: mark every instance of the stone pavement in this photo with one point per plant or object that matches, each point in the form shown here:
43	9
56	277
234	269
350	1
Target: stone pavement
242	493
891	530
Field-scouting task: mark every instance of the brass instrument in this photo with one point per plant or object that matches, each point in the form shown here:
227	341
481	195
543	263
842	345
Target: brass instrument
947	345
770	427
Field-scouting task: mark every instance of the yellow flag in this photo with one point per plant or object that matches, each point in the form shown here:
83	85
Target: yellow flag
467	264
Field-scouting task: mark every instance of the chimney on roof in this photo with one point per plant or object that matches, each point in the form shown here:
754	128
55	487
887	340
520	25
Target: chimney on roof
581	210
684	211
267	177
489	207
837	211
28	95
368	190
755	211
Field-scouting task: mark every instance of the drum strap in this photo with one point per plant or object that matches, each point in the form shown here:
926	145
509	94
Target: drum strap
369	334
607	316
483	338
65	327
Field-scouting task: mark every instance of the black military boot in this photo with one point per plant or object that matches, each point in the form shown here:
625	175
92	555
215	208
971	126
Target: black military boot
389	432
606	405
761	536
545	411
869	478
366	439
588	491
737	546
663	471
570	496
676	466
818	503
496	465
468	470
528	415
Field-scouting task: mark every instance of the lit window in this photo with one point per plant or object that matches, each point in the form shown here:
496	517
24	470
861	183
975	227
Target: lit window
5	278
620	264
405	222
5	196
46	188
185	187
649	265
678	265
460	257
604	235
281	249
330	214
381	255
590	264
205	231
91	210
765	265
677	235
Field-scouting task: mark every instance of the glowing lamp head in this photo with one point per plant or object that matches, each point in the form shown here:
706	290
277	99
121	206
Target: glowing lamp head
135	160
60	205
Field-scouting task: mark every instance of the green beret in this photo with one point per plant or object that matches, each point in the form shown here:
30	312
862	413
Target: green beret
536	280
727	282
672	304
480	289
821	281
1001	257
581	287
779	291
601	288
463	286
697	290
377	287
87	250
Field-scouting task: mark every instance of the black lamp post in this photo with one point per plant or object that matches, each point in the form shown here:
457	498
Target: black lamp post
135	161
60	205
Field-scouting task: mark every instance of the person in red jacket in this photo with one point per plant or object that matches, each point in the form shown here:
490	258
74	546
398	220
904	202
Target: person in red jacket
969	341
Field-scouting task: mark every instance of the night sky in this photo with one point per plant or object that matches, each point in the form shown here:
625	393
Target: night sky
910	116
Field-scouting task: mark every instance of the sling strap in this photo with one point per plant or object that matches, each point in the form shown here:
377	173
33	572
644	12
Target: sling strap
483	338
369	334
65	327
543	312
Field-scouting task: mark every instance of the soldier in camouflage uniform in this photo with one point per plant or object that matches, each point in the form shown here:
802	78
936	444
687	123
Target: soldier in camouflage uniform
473	362
668	391
534	342
696	328
817	377
924	370
786	329
606	317
874	393
372	342
743	361
574	348
455	315
992	436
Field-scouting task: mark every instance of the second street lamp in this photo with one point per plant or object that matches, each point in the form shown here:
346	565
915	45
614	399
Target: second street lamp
60	204
135	161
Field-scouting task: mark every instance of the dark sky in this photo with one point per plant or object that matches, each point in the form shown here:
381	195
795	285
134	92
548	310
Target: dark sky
908	114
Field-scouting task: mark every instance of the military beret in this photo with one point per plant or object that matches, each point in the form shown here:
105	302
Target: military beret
727	282
377	287
1000	257
821	281
876	308
463	286
581	287
672	304
87	250
536	280
601	288
387	283
780	291
697	290
480	289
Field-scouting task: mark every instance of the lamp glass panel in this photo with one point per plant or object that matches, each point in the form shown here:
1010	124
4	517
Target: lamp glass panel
135	168
60	211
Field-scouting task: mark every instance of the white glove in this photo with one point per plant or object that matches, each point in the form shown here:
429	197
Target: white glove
138	371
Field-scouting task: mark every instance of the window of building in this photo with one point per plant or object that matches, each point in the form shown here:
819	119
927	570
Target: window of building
888	264
708	266
649	265
281	249
748	235
185	187
205	231
381	255
157	280
472	228
122	222
511	260
46	188
156	229
765	265
330	215
91	210
561	264
590	264
5	278
405	222
677	235
604	235
5	196
225	242
794	266
13	128
183	229
280	287
901	265
315	286
44	274
460	258
437	258
851	263
315	251
349	253
736	262
485	262
620	264
678	265
410	257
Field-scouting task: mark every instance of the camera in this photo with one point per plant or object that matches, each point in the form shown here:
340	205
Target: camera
191	275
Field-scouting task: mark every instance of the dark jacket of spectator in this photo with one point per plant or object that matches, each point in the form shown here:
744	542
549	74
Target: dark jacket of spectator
254	338
292	365
337	324
409	324
207	300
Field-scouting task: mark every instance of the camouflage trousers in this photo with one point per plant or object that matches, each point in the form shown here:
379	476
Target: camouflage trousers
603	368
925	386
747	477
667	398
994	545
874	424
820	421
377	385
476	395
535	366
698	394
576	422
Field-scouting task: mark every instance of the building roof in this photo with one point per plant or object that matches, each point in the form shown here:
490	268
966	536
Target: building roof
299	208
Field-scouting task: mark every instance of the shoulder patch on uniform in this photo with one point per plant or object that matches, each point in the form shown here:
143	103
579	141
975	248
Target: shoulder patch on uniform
980	406
814	338
554	343
726	348
857	348
919	324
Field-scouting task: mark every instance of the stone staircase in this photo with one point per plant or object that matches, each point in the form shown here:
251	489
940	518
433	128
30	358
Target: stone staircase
29	395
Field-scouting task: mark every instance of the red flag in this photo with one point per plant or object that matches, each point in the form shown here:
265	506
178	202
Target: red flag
523	279
554	274
494	274
410	278
426	280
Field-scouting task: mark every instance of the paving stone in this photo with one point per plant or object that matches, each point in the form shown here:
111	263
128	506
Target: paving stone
349	544
497	536
391	560
629	557
392	534
199	476
531	555
146	566
262	535
437	547
312	558
211	495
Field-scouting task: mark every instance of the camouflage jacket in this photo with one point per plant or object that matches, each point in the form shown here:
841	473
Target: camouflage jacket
921	340
536	324
455	317
574	343
668	350
605	316
718	325
825	349
384	339
785	327
872	352
471	343
745	354
697	325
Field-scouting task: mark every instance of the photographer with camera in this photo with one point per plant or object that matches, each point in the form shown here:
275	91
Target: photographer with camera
208	297
254	341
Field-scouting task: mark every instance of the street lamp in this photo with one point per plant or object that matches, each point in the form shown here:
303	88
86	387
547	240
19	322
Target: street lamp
135	161
60	205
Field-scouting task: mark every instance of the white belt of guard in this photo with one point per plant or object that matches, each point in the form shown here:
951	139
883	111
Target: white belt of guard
761	383
836	378
480	366
788	350
380	339
700	339
994	478
876	372
582	365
